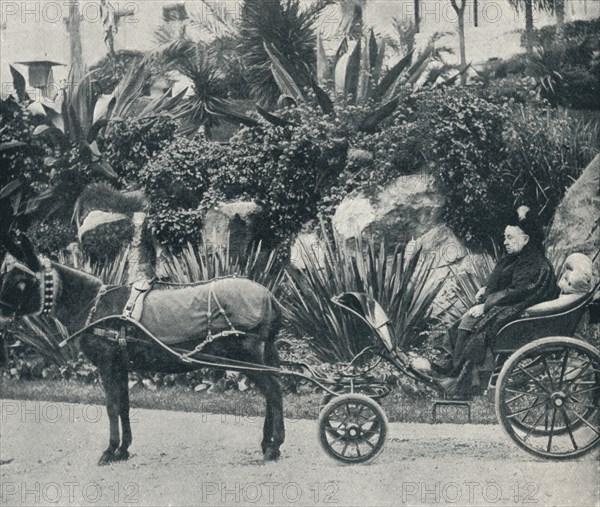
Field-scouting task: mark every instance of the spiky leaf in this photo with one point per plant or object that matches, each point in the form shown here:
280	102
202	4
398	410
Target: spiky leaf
271	118
325	103
19	84
390	78
284	80
370	122
324	71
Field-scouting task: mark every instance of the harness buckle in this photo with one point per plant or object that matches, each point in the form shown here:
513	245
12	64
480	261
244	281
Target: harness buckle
127	311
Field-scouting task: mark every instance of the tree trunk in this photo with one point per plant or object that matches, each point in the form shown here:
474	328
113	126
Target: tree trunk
459	8
559	10
74	29
417	15
138	261
529	26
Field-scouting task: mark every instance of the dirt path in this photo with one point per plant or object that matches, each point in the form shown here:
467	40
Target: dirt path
49	450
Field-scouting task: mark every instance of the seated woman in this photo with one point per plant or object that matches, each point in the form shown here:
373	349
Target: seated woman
522	278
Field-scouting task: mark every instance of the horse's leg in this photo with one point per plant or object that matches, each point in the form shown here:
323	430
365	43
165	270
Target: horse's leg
111	389
267	428
263	386
273	395
122	453
274	424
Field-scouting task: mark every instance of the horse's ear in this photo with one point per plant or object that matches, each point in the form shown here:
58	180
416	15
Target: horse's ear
20	247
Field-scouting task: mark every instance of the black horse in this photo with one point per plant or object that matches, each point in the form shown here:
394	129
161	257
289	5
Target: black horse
79	300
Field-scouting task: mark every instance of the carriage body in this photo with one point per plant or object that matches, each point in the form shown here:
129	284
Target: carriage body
546	384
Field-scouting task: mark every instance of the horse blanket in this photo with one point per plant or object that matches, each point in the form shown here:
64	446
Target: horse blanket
178	314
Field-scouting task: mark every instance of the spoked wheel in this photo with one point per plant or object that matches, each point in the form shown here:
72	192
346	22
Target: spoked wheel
353	428
548	397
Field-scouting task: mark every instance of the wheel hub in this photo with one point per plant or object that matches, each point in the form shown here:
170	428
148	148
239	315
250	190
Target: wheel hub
558	399
353	432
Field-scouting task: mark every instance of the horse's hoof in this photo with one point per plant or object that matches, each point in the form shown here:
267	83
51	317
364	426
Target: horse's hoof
271	454
105	459
121	455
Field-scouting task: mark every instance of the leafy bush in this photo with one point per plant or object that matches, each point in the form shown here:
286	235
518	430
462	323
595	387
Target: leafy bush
567	67
488	154
106	241
285	169
52	235
545	153
175	182
466	153
26	160
133	142
402	283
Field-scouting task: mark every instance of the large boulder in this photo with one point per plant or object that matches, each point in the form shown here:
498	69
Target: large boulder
231	225
307	243
407	208
575	226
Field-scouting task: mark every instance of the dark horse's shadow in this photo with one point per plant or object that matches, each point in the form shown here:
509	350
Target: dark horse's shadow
73	296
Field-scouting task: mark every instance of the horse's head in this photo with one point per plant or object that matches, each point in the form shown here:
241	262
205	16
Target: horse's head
20	292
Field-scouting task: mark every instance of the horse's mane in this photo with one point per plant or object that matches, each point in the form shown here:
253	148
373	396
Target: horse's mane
87	277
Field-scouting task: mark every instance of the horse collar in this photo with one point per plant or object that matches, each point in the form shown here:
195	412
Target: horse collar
48	288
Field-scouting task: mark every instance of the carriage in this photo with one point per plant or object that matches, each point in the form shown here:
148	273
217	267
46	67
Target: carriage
545	386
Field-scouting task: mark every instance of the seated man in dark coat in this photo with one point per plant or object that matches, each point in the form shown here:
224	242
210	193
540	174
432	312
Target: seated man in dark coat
522	278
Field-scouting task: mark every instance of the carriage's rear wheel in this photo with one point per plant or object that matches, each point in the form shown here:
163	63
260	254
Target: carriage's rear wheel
548	397
353	428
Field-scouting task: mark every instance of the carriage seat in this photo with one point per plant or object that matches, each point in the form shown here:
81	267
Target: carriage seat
557	317
562	303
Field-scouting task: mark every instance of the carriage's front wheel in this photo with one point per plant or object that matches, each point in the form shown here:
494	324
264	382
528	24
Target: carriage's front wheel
352	428
548	397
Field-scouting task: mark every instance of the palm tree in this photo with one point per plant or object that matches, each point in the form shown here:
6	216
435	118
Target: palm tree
288	27
554	6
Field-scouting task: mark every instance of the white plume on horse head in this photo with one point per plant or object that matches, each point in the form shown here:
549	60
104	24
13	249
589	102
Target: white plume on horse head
522	212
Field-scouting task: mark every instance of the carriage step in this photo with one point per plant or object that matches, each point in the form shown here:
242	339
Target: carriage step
459	404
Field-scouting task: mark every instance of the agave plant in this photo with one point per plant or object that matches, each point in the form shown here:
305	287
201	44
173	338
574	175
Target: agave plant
402	283
207	261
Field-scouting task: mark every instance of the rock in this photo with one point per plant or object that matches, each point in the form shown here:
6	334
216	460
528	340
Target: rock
407	208
306	243
97	218
575	226
231	226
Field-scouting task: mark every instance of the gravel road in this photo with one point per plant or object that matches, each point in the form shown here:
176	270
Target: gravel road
48	454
